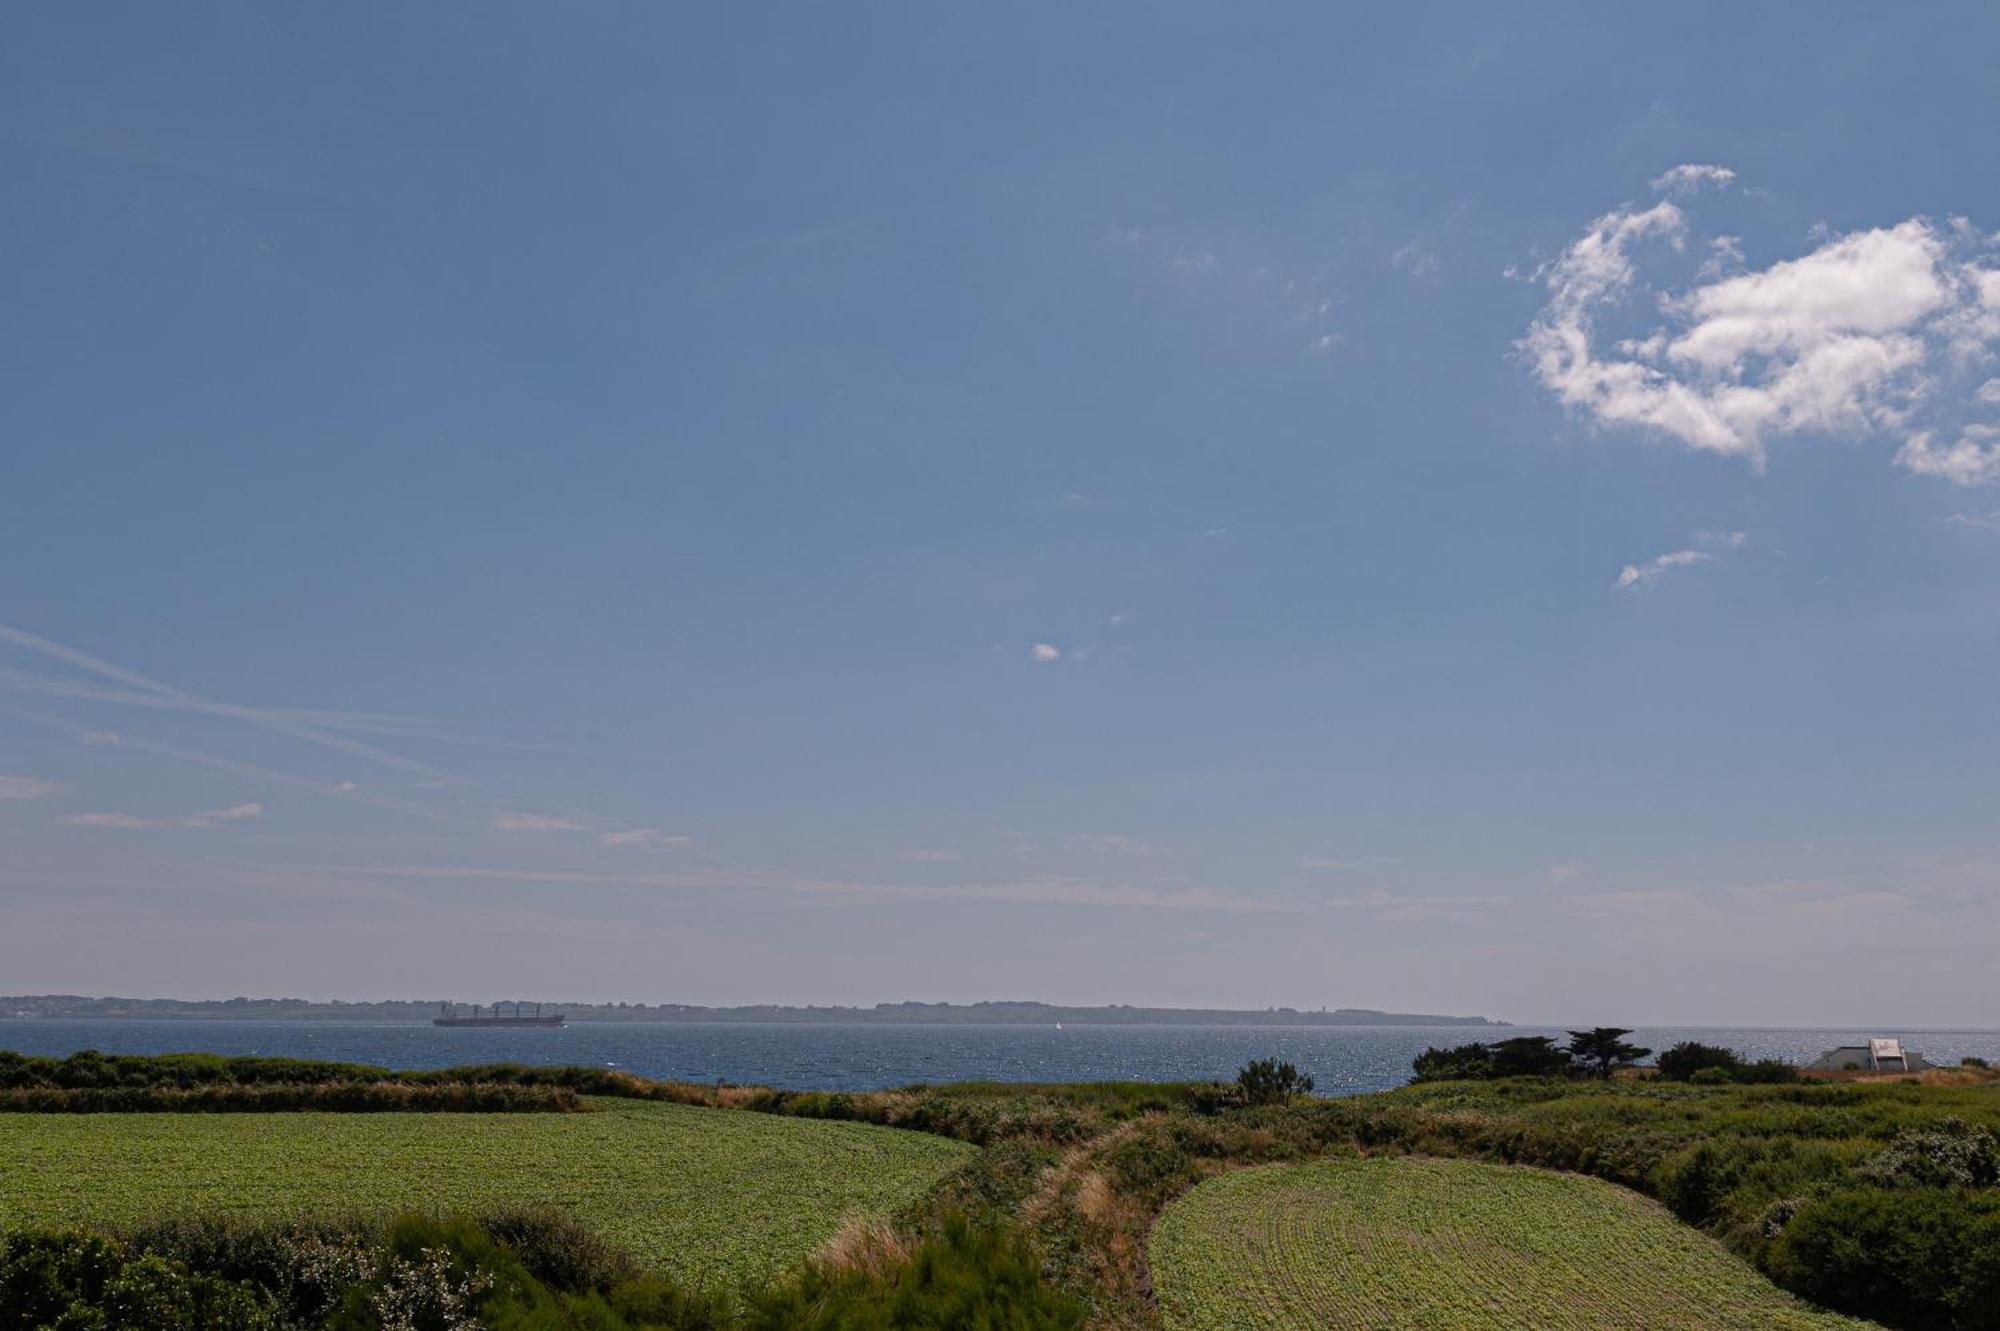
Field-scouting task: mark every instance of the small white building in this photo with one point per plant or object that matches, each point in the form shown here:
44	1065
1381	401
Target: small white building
1883	1055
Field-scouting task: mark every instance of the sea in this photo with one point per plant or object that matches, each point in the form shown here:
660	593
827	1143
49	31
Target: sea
1342	1060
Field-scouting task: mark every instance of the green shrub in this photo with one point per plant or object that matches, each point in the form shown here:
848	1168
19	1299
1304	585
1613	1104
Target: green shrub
305	1267
1214	1098
964	1277
1712	1065
558	1250
1695	1182
1948	1154
513	1271
75	1281
1768	1072
1266	1081
1685	1059
269	1097
1906	1258
1465	1062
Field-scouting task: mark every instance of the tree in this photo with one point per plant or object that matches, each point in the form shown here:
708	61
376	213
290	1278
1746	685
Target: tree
1529	1056
1603	1048
1266	1081
1681	1062
1465	1062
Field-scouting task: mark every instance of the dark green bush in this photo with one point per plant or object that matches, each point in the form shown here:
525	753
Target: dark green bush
1694	1182
512	1271
558	1250
1522	1056
1948	1154
1685	1059
966	1277
75	1281
270	1097
1465	1062
1266	1081
1906	1258
1712	1065
1529	1056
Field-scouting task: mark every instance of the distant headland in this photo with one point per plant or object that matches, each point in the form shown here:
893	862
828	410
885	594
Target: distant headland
942	1014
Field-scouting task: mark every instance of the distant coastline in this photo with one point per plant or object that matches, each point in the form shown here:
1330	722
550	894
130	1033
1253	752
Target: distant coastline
31	1006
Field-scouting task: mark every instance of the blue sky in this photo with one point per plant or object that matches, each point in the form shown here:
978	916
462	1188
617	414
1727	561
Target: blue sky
1433	508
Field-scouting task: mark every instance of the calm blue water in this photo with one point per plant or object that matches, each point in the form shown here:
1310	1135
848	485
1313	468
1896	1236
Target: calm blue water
1343	1060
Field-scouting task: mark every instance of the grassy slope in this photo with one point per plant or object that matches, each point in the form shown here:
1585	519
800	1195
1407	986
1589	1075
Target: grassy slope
705	1194
1436	1245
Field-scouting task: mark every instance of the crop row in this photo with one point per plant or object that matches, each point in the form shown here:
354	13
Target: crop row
709	1196
1391	1243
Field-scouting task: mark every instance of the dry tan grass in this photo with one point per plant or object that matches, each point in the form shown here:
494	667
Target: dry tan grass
1961	1076
1062	1182
866	1244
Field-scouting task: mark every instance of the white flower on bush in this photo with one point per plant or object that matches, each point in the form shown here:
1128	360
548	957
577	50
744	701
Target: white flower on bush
428	1295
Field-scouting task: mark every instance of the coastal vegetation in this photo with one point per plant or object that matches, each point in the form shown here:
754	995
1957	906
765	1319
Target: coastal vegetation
1405	1243
331	1097
709	1197
1598	1052
1052	1193
507	1271
89	1070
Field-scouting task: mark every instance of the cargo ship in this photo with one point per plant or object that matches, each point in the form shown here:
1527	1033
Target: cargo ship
497	1015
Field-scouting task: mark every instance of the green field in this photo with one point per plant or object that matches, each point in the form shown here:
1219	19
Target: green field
710	1195
1435	1245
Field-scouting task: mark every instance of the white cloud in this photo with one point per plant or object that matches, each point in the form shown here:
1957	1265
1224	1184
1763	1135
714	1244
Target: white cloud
1766	919
1042	653
536	822
1972	459
142	691
1725	253
27	788
1880	330
927	856
1420	910
346	788
1989	392
121	820
1033	892
640	836
1417	259
1110	843
1642	575
235	813
1691	176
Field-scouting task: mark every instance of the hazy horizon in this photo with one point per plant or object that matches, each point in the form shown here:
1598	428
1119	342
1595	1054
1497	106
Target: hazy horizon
1465	1020
1425	509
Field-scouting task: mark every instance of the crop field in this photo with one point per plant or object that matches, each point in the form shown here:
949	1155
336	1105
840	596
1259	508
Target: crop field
710	1195
1435	1245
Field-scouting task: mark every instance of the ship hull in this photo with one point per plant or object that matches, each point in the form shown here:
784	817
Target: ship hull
499	1021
